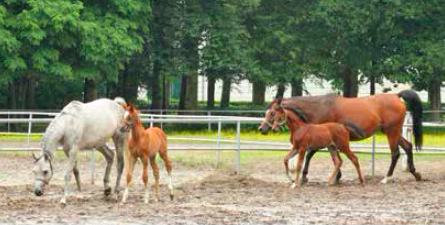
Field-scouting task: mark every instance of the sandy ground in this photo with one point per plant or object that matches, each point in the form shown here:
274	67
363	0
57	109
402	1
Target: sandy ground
260	194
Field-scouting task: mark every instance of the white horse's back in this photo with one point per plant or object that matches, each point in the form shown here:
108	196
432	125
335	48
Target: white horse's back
101	119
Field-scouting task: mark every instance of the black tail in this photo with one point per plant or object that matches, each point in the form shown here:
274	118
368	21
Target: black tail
415	106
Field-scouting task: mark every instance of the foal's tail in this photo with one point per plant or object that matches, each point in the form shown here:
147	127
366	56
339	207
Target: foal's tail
415	106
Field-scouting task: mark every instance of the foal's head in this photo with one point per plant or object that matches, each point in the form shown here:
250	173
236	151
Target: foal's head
280	117
43	172
131	117
268	121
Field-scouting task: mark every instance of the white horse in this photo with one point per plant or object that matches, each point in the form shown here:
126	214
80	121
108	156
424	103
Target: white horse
82	126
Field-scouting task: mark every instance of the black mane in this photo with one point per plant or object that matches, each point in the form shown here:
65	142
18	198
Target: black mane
298	112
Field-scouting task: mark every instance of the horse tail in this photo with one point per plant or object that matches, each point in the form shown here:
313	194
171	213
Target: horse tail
415	106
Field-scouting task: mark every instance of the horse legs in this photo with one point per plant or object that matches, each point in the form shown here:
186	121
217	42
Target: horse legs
130	161
301	154
169	167
288	156
145	178
393	139
120	142
408	148
109	156
75	170
337	163
155	168
70	168
351	156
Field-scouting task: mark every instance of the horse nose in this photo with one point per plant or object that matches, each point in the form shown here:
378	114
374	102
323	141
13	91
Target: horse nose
38	192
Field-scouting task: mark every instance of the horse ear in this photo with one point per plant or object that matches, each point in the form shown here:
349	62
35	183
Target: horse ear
131	107
279	100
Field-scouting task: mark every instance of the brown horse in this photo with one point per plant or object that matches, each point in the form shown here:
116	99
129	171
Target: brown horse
334	136
384	112
145	144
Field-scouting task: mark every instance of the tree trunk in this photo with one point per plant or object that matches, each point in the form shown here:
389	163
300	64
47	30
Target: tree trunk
372	84
434	99
258	93
225	95
165	94
280	91
350	83
156	88
182	93
90	90
211	92
297	87
31	94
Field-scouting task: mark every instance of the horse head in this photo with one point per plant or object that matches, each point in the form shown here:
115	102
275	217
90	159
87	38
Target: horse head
268	121
131	117
43	172
279	118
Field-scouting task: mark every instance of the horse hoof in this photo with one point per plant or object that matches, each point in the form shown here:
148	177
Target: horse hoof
172	196
63	202
304	180
387	180
418	176
294	185
107	191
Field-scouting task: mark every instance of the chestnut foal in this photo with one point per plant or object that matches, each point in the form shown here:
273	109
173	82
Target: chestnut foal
305	137
145	144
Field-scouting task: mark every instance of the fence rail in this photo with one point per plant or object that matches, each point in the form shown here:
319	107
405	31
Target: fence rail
220	144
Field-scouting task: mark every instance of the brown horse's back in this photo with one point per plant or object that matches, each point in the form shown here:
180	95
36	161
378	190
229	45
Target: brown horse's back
370	113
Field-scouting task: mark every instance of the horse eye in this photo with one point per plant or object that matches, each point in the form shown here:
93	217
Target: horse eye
45	172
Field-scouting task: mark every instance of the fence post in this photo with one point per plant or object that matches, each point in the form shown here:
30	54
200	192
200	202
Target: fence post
29	130
151	121
209	124
218	144
162	127
93	166
238	148
8	122
373	156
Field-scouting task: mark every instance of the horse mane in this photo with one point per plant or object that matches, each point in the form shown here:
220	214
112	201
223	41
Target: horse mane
298	112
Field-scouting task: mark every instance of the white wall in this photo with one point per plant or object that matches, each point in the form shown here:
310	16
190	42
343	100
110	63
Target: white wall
243	90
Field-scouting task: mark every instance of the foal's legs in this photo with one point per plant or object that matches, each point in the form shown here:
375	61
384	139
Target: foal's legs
351	156
169	167
408	147
145	178
301	154
288	156
109	156
155	168
337	163
309	156
130	161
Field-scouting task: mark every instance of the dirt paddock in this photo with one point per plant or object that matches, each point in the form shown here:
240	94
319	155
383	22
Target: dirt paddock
260	194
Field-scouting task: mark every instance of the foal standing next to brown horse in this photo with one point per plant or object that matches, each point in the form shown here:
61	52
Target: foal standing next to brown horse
385	112
304	137
144	144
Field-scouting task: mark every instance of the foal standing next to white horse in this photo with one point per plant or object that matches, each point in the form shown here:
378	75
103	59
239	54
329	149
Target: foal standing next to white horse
82	126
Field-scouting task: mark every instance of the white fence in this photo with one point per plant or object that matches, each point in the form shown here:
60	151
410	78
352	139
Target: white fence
219	144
